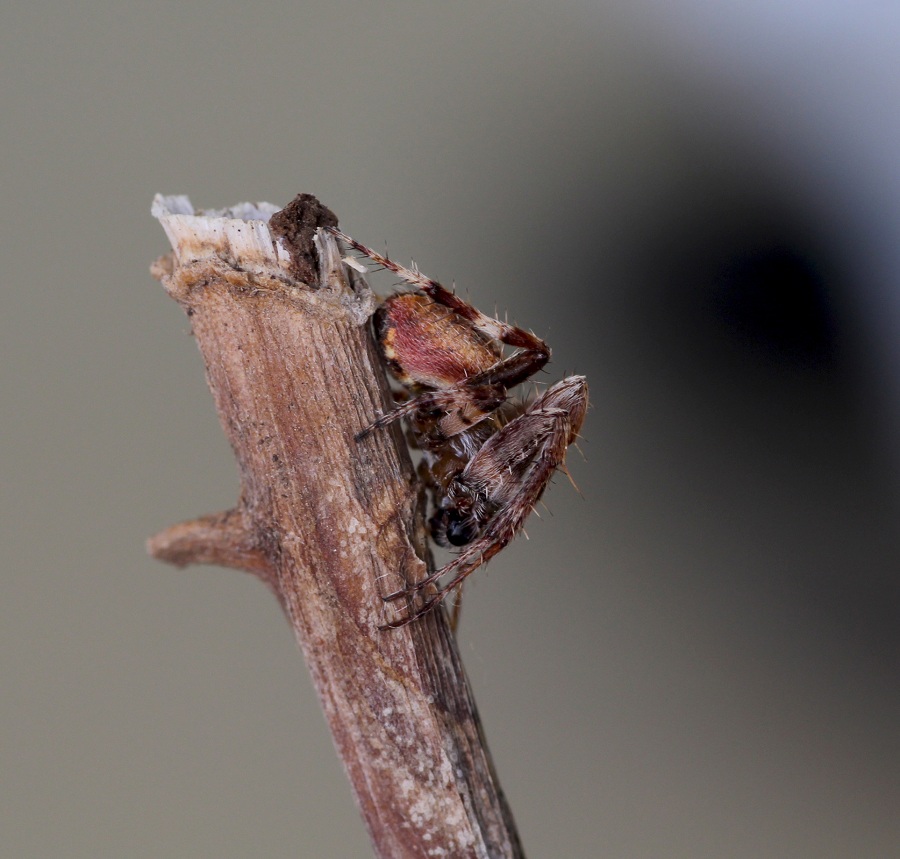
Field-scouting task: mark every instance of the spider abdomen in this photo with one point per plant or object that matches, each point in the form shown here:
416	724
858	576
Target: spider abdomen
425	344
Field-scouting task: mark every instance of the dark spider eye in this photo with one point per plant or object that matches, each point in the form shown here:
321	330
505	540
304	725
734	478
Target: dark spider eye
460	530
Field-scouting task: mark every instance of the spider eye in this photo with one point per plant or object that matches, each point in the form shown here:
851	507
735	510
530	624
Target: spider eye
460	530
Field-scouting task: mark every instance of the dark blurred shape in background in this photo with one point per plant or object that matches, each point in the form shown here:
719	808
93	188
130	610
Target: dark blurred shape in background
776	300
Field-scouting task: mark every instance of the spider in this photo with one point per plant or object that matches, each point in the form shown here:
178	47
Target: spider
486	459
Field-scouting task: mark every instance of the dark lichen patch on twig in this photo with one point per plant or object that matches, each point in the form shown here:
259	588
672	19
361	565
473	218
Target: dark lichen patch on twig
296	226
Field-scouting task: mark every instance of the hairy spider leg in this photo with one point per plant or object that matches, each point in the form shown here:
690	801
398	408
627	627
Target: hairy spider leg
477	401
488	325
534	443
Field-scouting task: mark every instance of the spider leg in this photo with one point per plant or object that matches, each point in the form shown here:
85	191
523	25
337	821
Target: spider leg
511	471
536	352
462	405
497	535
456	611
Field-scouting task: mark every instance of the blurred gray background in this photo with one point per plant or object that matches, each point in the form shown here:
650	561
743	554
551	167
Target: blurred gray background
697	205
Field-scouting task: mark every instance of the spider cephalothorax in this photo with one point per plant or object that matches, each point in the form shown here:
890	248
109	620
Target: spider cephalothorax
486	459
